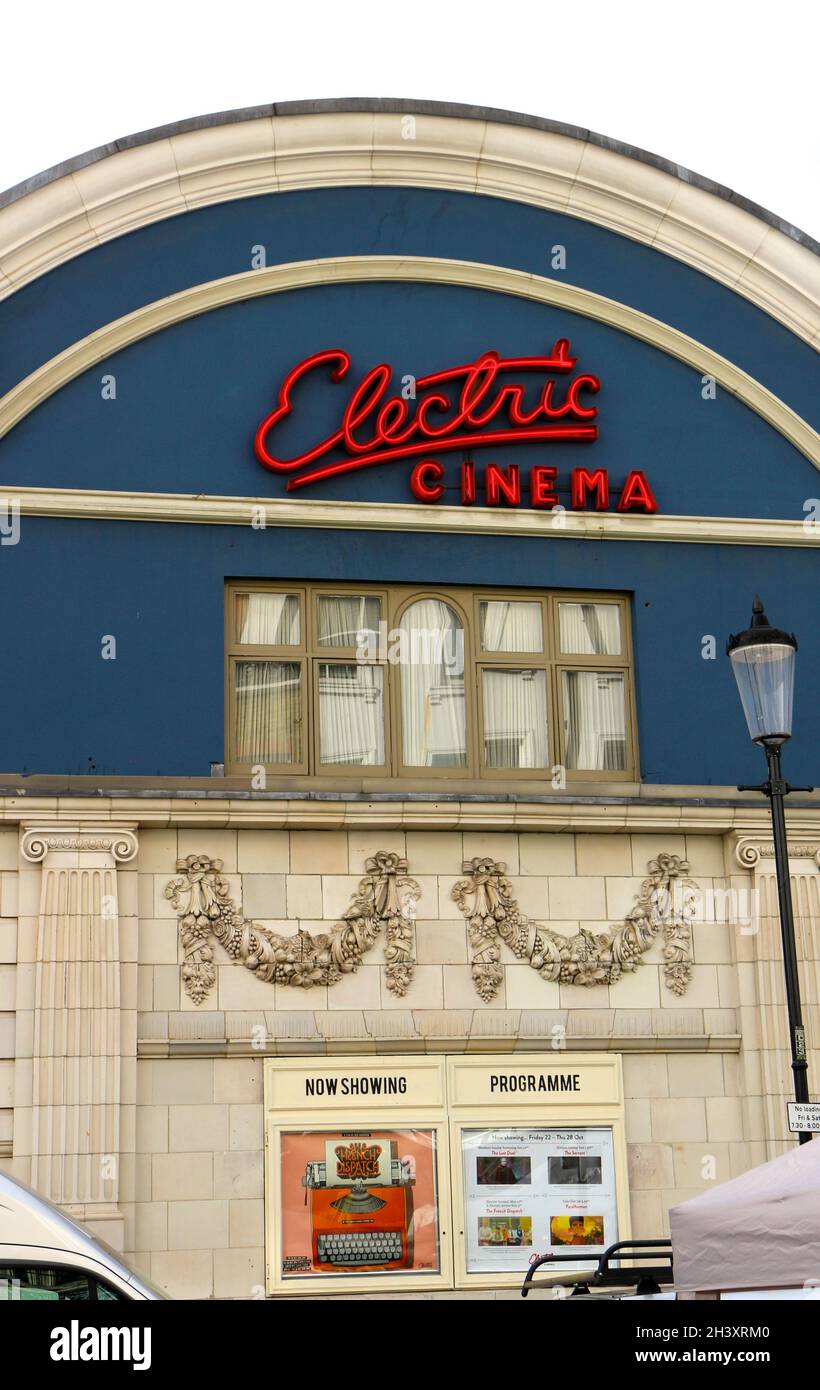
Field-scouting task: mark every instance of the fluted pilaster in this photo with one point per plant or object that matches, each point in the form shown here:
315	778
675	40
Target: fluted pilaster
767	1058
75	1142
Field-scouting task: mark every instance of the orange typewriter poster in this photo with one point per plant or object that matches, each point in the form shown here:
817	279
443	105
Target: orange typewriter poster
359	1202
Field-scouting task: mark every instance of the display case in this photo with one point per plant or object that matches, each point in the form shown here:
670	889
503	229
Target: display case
357	1175
539	1161
365	1158
528	1189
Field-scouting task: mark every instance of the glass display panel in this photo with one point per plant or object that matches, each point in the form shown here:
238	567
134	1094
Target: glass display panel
359	1202
531	1191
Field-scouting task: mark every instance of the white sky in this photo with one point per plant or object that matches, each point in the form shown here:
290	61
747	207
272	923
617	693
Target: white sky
727	88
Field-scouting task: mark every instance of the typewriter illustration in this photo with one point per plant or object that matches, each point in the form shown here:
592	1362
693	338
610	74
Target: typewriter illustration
361	1206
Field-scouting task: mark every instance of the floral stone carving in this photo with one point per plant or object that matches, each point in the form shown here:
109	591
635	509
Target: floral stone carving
385	898
666	904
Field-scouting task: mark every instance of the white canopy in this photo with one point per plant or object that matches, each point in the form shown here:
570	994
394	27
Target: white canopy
761	1230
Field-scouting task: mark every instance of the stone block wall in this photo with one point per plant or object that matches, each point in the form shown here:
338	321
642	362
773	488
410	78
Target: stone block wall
703	1083
198	1218
305	880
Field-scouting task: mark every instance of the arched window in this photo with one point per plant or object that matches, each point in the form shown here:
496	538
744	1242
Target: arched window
433	706
428	686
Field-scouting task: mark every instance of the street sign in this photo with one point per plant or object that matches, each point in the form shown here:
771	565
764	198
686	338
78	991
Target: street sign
804	1118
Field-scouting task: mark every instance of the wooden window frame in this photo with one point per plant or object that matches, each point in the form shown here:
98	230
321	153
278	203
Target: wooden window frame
381	770
507	772
514	661
237	648
296	658
317	591
404	598
394	602
622	664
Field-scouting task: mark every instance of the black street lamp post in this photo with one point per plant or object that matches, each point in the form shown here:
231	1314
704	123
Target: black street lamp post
762	659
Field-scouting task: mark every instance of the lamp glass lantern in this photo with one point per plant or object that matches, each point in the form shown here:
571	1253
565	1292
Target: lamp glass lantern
762	659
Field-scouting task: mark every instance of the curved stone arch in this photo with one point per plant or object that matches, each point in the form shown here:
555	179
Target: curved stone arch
212	159
200	299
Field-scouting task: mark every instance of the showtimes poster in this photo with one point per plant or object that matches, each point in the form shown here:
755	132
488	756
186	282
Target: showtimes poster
531	1191
359	1202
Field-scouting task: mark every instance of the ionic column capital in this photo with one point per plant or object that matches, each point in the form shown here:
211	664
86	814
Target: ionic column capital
75	844
757	852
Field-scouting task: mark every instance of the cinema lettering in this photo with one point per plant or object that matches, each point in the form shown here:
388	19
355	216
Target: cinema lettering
491	402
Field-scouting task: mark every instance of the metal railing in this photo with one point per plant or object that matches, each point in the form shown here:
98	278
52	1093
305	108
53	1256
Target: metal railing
645	1278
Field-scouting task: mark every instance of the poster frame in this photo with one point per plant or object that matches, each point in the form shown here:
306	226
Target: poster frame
332	1116
565	1112
445	1094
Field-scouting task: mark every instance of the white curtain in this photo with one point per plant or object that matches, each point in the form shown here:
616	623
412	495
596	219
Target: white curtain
268	712
351	714
343	616
515	718
594	720
590	629
511	627
434	721
268	620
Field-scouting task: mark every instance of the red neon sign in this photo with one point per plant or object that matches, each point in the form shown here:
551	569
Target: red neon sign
505	487
637	494
481	409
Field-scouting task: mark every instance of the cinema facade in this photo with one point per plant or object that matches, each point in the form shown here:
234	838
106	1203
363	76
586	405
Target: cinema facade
381	482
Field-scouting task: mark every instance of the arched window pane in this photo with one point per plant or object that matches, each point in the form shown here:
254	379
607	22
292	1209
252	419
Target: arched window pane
433	708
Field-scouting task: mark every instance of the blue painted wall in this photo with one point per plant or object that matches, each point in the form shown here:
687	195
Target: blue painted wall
158	709
116	278
189	398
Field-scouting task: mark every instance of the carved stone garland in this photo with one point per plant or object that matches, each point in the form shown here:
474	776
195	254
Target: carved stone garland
587	958
385	898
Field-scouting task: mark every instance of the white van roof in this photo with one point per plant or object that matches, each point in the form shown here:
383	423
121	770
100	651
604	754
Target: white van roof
27	1219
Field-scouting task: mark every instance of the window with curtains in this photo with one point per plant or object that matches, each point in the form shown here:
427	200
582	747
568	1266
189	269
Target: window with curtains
419	684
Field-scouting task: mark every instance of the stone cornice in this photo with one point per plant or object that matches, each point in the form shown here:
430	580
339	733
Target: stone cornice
570	172
310	514
401	106
99	816
662	1043
226	1033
